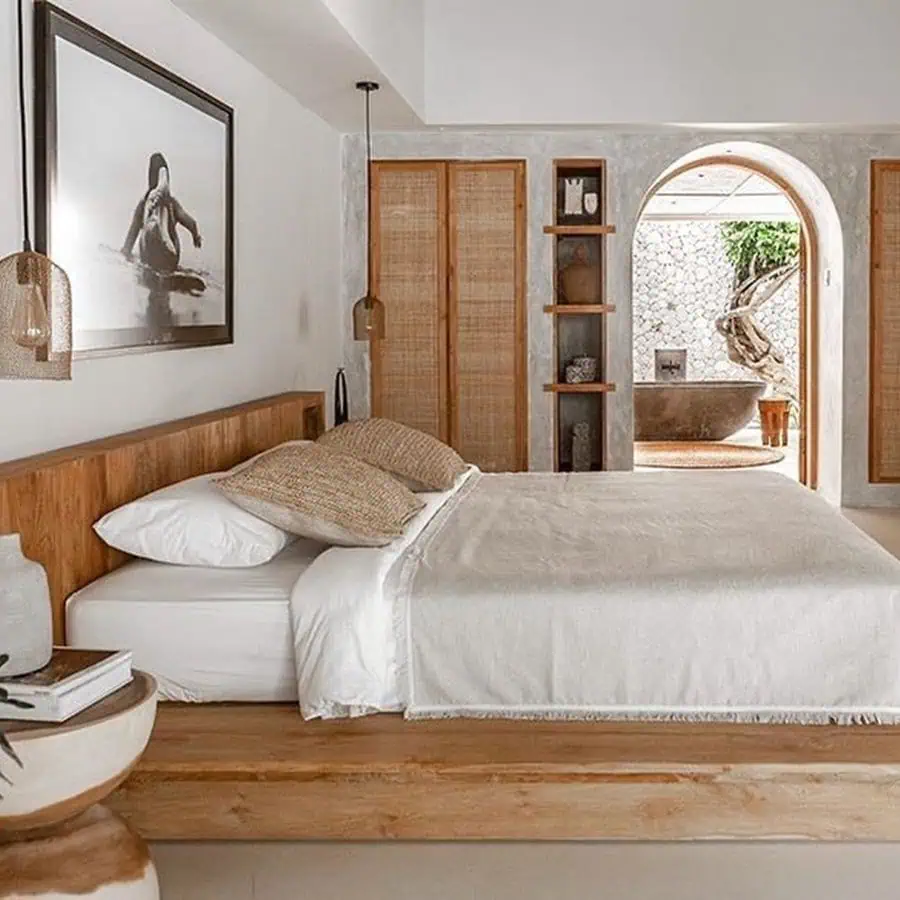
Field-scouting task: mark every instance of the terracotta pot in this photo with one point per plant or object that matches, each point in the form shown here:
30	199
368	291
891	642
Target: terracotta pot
580	279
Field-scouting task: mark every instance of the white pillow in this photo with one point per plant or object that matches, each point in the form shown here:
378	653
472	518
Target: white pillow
191	524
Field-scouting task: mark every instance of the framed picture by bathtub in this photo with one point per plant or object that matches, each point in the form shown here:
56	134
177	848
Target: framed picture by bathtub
135	193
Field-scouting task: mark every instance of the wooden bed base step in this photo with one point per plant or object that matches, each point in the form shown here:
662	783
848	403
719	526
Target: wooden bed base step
258	772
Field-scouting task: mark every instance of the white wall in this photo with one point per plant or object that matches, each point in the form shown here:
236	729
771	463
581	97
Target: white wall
288	325
599	62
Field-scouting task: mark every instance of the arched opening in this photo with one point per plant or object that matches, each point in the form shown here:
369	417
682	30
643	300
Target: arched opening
790	191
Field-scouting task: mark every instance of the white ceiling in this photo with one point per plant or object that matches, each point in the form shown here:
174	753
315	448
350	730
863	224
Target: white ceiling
306	47
576	63
720	193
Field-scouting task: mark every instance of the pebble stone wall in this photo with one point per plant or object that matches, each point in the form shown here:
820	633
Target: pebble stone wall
682	280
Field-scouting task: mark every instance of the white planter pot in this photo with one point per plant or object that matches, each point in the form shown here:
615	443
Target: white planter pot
26	619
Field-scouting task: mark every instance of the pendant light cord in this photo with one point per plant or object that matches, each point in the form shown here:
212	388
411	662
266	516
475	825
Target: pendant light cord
23	126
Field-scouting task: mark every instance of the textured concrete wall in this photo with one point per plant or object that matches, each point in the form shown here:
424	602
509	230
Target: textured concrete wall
634	163
682	282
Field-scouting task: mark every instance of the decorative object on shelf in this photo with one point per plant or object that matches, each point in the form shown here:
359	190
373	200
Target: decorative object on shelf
581	369
341	400
581	447
574	197
670	365
35	294
135	181
26	622
578	195
368	311
579	278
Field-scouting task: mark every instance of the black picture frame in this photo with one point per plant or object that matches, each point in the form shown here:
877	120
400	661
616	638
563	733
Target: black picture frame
161	328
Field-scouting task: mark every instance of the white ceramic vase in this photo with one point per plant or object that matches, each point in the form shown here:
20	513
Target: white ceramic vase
26	619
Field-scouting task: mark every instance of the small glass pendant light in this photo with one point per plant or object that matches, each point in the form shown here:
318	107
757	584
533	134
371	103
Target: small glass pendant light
368	311
35	294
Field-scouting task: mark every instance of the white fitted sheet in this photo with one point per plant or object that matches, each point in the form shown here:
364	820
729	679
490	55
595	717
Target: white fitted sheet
206	635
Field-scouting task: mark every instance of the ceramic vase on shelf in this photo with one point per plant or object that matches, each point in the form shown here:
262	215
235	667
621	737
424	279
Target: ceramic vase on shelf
26	619
581	370
580	279
581	447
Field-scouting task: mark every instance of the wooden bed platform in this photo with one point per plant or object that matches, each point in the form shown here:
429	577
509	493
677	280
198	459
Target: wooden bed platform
259	772
251	772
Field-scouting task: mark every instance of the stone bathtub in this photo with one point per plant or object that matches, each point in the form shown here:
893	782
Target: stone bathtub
693	410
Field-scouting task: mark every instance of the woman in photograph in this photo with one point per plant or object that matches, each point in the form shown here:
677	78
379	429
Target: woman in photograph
154	228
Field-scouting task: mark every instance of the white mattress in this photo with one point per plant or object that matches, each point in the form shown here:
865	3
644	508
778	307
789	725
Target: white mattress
207	635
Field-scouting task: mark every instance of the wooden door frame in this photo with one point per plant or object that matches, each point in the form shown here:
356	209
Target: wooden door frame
447	313
809	298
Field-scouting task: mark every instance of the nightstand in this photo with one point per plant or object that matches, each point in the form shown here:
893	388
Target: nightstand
54	838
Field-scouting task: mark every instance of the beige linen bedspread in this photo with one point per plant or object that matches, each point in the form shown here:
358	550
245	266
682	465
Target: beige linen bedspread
699	595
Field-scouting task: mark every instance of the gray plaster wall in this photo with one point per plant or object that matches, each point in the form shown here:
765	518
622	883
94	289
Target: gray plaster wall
634	163
682	281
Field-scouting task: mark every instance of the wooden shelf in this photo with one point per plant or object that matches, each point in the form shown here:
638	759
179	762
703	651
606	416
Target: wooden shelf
584	309
590	387
579	229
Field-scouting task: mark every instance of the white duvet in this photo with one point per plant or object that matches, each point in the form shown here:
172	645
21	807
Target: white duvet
737	596
343	621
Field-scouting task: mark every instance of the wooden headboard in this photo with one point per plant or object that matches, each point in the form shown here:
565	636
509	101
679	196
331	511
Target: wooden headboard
53	499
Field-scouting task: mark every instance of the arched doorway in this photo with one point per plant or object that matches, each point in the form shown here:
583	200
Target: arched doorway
814	210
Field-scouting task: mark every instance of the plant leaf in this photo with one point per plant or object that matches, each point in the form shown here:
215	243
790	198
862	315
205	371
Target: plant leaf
7	748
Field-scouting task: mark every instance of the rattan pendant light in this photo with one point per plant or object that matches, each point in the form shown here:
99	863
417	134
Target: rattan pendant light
35	295
368	311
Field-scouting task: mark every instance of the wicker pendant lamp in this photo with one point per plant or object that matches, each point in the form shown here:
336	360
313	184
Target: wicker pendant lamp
35	295
368	311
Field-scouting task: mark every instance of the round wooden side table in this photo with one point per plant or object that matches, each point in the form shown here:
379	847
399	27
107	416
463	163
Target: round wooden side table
55	841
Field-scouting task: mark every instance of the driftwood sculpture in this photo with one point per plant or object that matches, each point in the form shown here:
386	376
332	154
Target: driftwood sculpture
748	345
766	257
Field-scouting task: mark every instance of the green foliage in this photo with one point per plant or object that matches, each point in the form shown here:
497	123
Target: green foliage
5	745
758	247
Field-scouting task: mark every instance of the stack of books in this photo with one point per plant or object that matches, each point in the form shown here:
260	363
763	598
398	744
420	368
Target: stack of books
72	681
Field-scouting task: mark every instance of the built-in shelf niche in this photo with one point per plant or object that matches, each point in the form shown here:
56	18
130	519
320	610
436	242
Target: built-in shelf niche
579	309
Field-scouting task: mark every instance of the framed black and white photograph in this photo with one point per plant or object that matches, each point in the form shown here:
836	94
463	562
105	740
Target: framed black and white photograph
135	193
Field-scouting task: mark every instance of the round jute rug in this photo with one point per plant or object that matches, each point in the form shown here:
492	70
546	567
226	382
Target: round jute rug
702	455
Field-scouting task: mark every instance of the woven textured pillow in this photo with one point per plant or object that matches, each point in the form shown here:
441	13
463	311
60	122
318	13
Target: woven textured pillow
320	493
423	462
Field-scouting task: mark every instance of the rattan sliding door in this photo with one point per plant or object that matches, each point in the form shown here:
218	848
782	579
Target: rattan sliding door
884	387
409	259
486	314
448	255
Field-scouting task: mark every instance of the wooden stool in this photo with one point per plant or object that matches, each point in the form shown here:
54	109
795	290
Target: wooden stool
774	419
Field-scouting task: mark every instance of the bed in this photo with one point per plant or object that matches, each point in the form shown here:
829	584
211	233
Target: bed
259	771
207	635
